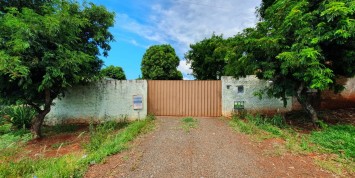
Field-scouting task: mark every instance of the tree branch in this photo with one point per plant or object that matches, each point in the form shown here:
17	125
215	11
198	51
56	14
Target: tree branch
36	107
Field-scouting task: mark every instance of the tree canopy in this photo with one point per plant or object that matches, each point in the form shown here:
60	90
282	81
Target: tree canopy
299	45
207	58
45	50
160	62
35	5
114	72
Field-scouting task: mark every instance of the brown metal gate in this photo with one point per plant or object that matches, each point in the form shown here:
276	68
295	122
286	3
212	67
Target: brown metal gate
185	98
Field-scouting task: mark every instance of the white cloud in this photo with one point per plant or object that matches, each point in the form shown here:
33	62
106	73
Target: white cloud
135	43
144	30
184	22
184	67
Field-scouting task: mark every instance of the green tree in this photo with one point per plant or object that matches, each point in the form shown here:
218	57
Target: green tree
207	58
238	56
301	45
43	53
160	62
264	5
19	4
114	72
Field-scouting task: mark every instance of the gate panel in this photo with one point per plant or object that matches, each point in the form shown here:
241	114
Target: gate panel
185	98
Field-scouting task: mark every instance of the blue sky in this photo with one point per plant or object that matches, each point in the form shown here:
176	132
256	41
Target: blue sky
142	23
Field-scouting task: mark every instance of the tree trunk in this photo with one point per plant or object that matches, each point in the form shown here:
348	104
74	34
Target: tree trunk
37	125
306	105
38	120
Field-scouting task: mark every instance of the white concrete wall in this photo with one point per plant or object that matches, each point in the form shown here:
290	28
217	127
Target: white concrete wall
105	100
251	84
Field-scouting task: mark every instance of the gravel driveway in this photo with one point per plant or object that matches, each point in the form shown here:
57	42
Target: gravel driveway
212	149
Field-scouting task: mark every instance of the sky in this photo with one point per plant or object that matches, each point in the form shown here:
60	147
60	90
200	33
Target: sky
143	23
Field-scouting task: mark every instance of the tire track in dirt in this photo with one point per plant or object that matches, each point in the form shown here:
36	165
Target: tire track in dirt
212	149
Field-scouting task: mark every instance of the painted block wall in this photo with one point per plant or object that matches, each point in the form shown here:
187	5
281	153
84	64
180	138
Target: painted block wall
108	99
250	84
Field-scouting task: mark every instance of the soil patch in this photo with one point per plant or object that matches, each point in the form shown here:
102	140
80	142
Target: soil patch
300	120
58	144
212	149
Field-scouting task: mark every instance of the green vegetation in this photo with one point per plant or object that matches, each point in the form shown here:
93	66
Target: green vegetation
14	122
189	123
160	62
99	133
105	139
114	72
207	58
19	116
330	140
296	45
12	139
48	46
337	139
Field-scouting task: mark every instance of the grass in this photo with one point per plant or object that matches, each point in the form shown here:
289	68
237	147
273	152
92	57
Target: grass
336	165
188	123
14	138
338	139
335	141
106	139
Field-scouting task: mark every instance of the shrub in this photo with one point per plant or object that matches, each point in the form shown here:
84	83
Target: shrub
20	116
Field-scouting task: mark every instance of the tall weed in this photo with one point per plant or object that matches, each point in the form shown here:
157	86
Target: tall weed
277	120
100	133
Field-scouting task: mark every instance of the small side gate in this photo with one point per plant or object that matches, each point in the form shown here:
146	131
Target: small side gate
185	98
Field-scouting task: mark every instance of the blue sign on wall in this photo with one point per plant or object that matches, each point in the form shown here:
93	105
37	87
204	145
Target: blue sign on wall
137	102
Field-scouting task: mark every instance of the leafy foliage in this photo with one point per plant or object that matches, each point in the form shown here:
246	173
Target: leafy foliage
208	58
45	50
19	116
114	72
33	4
160	62
299	46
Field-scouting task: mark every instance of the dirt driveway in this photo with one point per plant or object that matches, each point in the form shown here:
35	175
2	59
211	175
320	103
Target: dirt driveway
212	149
